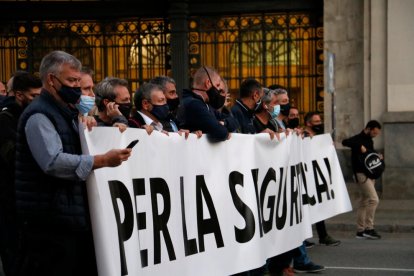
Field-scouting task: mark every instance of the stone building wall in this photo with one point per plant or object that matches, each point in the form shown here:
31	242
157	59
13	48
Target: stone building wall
372	41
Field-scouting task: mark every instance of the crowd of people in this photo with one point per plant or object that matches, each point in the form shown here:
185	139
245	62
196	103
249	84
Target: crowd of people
45	227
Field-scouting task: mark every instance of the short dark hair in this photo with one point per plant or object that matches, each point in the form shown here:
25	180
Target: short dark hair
87	70
23	81
373	124
276	86
162	81
309	115
248	86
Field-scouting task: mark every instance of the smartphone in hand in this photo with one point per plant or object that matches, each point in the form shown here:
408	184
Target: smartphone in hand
132	144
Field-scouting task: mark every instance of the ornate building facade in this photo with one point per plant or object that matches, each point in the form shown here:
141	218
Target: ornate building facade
276	41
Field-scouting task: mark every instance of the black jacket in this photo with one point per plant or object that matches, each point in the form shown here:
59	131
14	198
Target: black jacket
259	126
245	117
136	120
117	119
9	117
195	114
355	143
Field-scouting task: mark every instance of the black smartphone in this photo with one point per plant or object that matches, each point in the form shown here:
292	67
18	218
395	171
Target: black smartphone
132	144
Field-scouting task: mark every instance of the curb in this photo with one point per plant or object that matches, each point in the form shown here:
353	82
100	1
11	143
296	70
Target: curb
388	228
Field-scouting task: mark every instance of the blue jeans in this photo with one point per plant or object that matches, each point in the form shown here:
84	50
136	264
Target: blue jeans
301	255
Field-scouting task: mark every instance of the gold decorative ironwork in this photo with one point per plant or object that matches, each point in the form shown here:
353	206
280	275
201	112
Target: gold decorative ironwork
275	48
109	48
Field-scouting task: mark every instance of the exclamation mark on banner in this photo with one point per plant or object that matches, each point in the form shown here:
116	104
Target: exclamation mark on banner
328	166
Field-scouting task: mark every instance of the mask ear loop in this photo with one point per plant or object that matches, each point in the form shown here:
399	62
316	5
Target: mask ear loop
208	75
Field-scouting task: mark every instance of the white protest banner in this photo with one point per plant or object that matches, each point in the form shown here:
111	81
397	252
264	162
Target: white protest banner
191	207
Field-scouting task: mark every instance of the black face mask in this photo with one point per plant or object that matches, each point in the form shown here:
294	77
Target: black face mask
293	123
258	107
125	109
318	129
284	109
69	94
173	103
160	111
215	99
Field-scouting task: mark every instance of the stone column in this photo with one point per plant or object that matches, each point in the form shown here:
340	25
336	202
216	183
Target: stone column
398	128
178	14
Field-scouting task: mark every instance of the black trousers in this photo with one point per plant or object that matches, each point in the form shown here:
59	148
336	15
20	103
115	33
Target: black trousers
321	229
46	253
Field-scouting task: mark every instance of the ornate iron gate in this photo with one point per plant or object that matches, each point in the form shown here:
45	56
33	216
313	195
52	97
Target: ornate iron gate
276	48
136	50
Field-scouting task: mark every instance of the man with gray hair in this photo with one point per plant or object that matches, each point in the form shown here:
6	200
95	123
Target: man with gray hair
113	101
51	198
169	88
152	109
283	102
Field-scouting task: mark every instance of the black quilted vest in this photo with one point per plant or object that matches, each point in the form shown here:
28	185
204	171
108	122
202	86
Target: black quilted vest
44	201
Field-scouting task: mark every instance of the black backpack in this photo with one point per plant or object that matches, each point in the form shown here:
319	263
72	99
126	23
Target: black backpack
373	165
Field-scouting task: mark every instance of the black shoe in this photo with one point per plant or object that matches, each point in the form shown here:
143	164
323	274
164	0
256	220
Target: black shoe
360	235
308	268
309	244
371	234
328	240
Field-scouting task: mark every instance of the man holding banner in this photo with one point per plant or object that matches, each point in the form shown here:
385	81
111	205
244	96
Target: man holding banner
199	109
50	171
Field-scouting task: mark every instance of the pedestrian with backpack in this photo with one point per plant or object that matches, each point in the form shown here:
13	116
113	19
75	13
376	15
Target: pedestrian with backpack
367	166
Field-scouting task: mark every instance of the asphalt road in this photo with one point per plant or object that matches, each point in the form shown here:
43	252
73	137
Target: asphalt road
391	255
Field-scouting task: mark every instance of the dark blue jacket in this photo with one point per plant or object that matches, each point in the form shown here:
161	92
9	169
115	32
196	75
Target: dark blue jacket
197	115
244	116
44	201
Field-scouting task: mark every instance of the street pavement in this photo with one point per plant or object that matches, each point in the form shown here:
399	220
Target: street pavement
389	256
392	215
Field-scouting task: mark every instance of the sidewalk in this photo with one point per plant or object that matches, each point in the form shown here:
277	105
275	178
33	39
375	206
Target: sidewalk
391	216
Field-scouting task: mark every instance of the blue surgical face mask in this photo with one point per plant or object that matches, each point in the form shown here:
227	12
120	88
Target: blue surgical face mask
275	112
85	104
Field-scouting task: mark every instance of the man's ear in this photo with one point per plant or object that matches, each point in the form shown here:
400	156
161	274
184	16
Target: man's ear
19	95
207	84
50	79
256	94
146	104
105	102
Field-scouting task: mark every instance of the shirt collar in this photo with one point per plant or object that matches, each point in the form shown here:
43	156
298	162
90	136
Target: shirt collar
151	122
